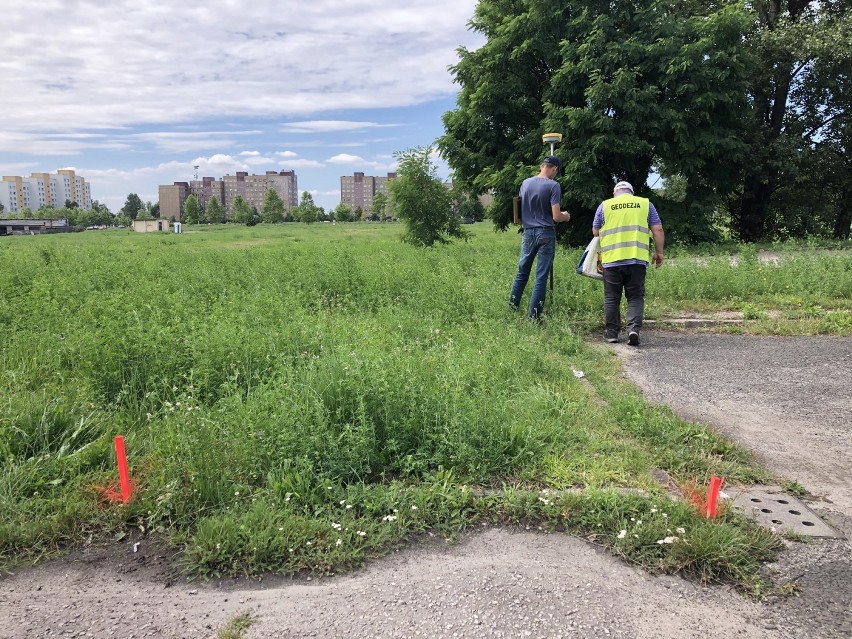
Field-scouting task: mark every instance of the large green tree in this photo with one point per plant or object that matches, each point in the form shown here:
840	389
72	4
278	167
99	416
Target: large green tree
215	211
422	201
132	206
633	86
191	210
273	207
240	210
343	213
307	211
797	179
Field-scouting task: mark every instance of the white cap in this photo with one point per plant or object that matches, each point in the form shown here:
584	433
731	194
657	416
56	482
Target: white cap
623	186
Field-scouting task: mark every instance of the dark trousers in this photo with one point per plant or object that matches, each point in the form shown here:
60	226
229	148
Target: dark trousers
630	279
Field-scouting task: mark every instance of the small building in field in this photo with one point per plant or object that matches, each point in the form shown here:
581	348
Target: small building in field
150	226
33	226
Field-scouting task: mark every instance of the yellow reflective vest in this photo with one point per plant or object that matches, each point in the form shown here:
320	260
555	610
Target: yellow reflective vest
625	234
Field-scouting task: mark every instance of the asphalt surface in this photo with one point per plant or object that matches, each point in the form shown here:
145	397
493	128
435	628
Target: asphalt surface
787	399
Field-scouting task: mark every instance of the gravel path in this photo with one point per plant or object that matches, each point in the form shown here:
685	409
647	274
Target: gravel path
786	398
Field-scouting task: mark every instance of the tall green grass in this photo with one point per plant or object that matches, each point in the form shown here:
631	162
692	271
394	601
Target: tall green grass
301	397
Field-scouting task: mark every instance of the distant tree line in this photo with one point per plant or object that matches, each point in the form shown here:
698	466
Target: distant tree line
744	110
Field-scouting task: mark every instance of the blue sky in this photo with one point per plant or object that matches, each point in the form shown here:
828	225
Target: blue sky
134	94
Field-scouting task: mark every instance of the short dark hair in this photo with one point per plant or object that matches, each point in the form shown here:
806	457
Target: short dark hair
552	160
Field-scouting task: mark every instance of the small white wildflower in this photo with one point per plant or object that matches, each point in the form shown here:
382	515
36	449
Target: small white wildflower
218	546
336	526
348	506
280	528
307	543
414	508
544	501
342	501
681	531
653	510
395	510
236	493
389	518
668	540
361	533
665	515
338	542
328	487
622	534
638	522
149	416
636	536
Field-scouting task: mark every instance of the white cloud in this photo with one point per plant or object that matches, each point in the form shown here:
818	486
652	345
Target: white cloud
360	164
258	160
251	153
287	154
331	126
345	158
302	164
225	59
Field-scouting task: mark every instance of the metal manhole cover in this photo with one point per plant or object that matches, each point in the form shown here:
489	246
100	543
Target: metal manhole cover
770	506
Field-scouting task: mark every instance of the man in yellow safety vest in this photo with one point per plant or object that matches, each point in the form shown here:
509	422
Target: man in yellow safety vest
625	224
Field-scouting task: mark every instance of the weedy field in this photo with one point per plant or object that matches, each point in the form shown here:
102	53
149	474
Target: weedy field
301	397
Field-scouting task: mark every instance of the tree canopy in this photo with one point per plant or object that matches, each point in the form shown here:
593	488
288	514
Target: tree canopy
693	91
273	207
132	206
422	201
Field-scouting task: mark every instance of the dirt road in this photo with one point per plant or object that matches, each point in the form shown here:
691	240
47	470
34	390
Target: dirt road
501	583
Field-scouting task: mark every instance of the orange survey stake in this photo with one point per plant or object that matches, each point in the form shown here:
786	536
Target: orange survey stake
713	496
123	474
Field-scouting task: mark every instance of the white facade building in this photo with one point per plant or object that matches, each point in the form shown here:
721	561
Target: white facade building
40	190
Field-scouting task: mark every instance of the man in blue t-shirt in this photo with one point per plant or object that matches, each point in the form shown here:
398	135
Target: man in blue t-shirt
540	199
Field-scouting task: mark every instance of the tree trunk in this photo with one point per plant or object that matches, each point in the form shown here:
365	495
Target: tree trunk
754	206
843	223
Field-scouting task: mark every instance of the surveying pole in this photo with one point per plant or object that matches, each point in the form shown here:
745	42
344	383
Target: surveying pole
552	139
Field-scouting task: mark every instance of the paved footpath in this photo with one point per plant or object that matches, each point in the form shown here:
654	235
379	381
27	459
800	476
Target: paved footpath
788	399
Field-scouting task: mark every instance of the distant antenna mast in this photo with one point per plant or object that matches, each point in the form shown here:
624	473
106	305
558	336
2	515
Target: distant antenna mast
195	166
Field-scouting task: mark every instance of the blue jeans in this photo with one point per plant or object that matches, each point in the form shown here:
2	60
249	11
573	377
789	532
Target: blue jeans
539	242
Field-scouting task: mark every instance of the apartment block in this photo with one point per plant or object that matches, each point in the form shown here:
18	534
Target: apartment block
12	193
172	198
205	189
42	190
253	188
359	190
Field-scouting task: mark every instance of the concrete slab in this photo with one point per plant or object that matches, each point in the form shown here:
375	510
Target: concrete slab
770	506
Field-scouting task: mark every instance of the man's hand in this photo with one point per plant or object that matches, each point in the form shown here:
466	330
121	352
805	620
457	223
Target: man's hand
658	260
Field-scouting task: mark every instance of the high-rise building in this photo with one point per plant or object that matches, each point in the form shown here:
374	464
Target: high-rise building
253	188
41	190
172	198
359	190
207	188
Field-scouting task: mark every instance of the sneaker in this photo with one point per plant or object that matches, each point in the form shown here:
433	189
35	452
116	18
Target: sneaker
633	338
612	339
